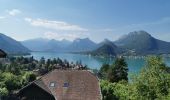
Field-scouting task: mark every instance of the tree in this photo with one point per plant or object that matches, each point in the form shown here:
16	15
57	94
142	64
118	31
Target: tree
59	61
11	81
107	90
48	62
118	71
42	60
31	77
103	72
54	61
154	80
152	83
15	68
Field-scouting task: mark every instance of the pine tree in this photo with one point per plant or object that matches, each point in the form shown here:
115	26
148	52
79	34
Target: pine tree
118	71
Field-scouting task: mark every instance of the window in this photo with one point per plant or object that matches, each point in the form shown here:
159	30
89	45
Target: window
65	84
52	84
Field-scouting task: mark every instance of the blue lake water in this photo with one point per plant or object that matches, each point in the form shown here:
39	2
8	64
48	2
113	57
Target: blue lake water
134	64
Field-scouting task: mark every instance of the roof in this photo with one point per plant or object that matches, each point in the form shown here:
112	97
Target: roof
71	85
2	54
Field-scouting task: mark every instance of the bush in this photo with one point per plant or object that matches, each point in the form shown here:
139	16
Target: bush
3	91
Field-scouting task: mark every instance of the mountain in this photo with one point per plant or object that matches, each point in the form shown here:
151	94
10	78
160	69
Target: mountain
142	43
106	41
80	45
106	48
52	45
41	44
38	44
65	43
12	46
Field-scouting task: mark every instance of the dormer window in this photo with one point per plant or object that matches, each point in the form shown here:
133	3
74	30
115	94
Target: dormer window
66	84
52	84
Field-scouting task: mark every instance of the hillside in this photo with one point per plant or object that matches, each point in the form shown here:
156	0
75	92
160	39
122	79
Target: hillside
106	48
141	42
12	46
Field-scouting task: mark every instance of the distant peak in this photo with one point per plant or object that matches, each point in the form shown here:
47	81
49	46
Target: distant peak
64	40
38	39
86	39
106	40
79	39
141	32
53	40
134	34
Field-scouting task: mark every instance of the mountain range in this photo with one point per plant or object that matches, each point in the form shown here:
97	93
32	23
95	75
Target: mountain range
41	44
133	43
78	45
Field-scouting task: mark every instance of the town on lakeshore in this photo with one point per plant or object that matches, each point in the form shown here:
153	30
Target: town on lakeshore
84	50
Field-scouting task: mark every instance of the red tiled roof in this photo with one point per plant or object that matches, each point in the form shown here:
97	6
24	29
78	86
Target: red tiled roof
82	85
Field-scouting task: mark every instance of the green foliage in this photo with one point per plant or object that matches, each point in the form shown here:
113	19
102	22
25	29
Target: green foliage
11	81
152	83
14	68
19	71
107	90
154	80
103	72
118	71
30	77
3	91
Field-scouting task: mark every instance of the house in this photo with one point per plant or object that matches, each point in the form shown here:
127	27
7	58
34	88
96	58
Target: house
2	54
63	85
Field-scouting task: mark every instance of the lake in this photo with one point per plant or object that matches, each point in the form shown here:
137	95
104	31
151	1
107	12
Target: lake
134	63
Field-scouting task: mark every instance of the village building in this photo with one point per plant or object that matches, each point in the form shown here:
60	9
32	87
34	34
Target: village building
63	85
2	54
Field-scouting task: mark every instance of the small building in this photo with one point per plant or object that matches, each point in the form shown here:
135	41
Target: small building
63	85
2	54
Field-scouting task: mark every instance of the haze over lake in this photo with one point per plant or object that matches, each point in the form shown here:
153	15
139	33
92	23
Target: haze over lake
134	63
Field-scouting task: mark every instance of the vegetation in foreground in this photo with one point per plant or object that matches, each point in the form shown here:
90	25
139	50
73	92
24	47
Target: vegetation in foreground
152	83
17	72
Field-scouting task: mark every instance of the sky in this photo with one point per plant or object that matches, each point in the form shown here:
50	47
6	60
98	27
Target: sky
95	19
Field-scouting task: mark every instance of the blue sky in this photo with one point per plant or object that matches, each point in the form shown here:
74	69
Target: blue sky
96	19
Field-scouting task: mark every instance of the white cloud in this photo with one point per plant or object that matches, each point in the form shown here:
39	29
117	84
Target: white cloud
60	36
28	19
56	25
2	17
13	12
